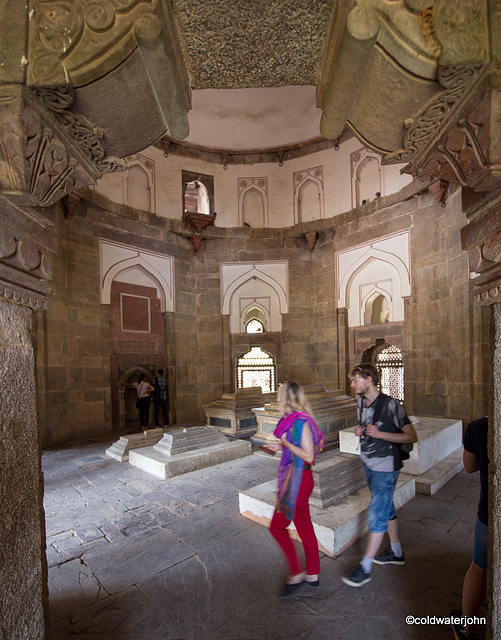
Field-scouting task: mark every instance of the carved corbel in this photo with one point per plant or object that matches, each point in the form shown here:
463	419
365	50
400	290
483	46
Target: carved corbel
350	43
196	242
440	191
81	42
311	239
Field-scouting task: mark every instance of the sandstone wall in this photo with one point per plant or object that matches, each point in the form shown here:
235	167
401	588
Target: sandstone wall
444	338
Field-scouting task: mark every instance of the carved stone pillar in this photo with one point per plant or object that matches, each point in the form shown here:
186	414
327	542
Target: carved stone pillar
26	249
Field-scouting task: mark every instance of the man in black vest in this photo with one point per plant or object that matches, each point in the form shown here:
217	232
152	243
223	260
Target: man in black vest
384	426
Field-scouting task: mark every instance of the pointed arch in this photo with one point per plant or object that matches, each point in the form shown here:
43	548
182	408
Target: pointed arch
388	261
117	259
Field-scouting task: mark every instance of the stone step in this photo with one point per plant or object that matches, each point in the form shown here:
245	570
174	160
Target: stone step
189	439
337	527
120	449
435	478
437	439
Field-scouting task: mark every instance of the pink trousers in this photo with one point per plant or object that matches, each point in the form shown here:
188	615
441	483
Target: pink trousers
302	522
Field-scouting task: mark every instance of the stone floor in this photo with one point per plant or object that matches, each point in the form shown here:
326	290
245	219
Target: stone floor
134	557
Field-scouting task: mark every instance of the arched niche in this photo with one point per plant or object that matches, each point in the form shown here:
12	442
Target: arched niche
251	293
253	201
136	266
366	176
261	284
253	208
139	183
377	307
309	201
308	194
256	311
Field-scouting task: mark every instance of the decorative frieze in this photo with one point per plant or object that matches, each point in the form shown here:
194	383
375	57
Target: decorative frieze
26	255
16	294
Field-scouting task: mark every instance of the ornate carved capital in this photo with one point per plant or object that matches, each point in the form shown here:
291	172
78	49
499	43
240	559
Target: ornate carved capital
421	130
47	151
465	153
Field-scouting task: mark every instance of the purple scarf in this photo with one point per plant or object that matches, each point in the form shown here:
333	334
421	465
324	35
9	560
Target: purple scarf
290	471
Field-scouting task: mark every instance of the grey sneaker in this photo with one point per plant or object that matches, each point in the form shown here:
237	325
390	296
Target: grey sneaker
357	577
388	557
460	633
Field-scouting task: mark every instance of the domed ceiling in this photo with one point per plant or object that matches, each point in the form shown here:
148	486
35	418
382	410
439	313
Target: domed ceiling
253	68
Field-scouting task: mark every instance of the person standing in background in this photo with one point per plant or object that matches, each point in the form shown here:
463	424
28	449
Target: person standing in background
161	398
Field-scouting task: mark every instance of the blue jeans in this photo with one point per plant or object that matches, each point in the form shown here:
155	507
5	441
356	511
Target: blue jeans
381	508
156	411
480	547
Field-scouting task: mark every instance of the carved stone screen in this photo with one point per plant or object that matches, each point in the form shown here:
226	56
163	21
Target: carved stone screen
391	370
256	368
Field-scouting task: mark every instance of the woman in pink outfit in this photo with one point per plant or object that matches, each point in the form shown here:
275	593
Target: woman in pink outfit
301	440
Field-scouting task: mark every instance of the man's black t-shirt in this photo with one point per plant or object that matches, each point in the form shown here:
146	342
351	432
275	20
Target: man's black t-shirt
475	441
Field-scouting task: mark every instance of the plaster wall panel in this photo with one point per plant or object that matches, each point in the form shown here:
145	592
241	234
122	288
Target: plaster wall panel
336	184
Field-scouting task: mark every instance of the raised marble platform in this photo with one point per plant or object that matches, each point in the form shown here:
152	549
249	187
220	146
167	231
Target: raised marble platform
194	448
436	456
337	527
120	449
332	409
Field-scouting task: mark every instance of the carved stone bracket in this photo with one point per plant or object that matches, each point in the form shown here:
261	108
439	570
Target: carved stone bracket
46	151
80	42
439	190
311	239
88	138
421	131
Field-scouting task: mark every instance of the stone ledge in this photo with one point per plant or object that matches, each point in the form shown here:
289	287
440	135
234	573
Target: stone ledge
430	482
164	466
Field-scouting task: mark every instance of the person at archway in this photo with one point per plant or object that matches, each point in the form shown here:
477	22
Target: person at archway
301	440
383	426
143	389
161	398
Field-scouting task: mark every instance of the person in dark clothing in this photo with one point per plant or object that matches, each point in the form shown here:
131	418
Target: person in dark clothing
475	581
161	398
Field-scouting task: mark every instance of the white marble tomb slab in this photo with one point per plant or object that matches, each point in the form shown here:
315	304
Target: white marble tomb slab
438	438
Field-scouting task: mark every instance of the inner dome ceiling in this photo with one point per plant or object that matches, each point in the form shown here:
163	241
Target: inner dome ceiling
253	67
